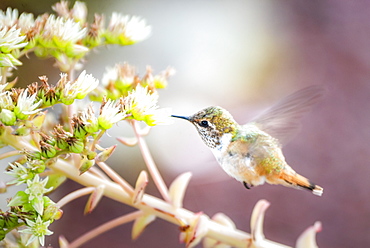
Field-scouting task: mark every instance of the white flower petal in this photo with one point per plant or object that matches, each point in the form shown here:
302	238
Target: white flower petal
134	28
6	101
26	104
84	84
110	114
64	29
9	18
11	39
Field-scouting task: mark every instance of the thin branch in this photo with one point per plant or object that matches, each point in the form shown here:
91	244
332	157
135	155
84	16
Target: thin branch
155	206
74	195
25	52
96	139
105	227
3	74
19	143
98	173
153	170
71	107
116	178
9	154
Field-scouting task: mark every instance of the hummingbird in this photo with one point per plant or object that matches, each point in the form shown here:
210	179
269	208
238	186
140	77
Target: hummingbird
252	153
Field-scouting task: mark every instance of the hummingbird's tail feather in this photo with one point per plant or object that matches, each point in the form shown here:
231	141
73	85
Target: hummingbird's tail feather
296	180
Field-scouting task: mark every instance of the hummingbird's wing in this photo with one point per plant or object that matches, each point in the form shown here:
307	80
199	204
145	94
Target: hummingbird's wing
282	120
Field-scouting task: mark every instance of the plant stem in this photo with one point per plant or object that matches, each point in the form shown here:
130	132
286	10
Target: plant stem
153	170
18	142
74	195
96	140
117	178
9	154
3	74
158	207
105	227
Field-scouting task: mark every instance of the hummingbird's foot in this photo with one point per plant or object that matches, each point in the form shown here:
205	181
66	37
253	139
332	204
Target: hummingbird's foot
246	185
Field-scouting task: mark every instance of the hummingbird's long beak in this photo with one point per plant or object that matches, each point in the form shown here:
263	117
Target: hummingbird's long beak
181	117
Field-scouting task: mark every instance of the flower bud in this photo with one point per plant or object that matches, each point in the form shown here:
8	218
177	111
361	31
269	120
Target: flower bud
37	166
91	155
47	150
22	131
51	212
61	143
86	165
11	221
7	117
78	128
75	145
104	155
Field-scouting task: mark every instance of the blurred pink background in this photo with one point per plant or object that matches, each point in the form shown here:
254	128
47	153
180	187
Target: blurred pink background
244	56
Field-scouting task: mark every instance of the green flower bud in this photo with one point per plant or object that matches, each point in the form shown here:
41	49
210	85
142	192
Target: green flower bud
160	82
51	213
7	117
22	131
47	150
149	120
47	139
67	100
98	94
37	166
91	155
86	165
104	155
78	129
19	114
104	124
92	128
41	51
110	114
61	143
49	98
31	44
11	221
35	155
75	145
2	220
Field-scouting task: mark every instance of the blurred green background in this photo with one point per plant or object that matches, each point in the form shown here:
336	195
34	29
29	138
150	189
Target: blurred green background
243	56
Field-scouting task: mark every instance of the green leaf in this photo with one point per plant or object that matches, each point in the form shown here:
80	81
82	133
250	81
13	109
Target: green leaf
55	180
20	199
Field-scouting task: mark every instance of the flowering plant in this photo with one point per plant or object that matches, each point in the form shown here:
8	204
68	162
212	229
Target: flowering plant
48	152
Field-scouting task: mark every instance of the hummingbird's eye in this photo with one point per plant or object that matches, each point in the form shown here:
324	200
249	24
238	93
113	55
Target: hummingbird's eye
203	124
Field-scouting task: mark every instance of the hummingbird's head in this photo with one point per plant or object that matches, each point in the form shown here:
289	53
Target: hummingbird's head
212	123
